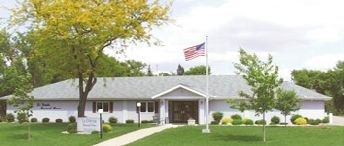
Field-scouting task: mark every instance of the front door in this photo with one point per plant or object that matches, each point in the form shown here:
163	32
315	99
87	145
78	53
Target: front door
181	111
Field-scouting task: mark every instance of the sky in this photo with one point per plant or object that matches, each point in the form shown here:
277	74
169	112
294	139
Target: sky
299	34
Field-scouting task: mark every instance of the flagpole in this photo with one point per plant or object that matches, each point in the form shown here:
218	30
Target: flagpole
206	130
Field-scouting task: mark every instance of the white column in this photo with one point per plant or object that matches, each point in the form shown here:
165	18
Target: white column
162	112
201	115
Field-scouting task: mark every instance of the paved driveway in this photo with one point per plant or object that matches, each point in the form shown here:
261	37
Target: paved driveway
338	120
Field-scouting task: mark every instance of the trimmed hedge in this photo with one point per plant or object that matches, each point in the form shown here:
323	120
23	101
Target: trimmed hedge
58	121
112	120
275	120
237	122
294	117
326	120
217	116
147	121
45	120
313	122
72	128
129	121
107	128
33	120
72	119
247	121
260	122
300	121
226	121
21	117
213	123
10	117
236	116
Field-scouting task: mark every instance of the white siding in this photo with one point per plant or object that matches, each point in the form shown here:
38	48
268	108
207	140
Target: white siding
309	109
69	108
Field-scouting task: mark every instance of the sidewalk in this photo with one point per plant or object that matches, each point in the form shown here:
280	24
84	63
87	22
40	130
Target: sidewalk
133	136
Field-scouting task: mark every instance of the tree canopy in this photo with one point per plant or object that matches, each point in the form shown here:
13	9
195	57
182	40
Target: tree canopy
263	79
74	33
197	70
330	82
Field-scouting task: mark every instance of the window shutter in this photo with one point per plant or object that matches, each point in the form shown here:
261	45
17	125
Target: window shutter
111	106
94	107
157	107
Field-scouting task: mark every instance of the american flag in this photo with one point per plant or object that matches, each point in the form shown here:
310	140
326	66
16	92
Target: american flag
194	51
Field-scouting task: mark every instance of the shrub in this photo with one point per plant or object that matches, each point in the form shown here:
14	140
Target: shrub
10	117
326	120
58	120
113	120
34	120
72	119
313	122
217	116
129	121
275	120
318	120
226	121
95	132
21	117
107	128
247	121
260	122
72	128
147	121
237	122
236	116
0	120
300	121
213	123
45	120
283	123
294	117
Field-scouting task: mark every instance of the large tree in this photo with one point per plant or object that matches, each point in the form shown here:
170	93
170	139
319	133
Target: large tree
197	70
263	79
78	32
180	70
330	82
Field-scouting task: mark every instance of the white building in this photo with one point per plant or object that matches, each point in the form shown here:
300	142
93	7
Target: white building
173	99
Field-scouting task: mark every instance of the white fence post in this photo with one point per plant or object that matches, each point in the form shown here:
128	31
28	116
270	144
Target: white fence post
330	116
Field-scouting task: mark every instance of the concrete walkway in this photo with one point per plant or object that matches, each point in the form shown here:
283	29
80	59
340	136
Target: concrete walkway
338	121
135	135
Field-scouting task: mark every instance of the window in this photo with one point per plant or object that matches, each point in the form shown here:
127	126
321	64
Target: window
103	105
147	106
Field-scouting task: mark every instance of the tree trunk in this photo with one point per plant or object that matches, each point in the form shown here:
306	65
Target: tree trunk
29	131
264	135
83	92
285	120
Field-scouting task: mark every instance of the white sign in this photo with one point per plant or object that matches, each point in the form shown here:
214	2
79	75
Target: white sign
88	124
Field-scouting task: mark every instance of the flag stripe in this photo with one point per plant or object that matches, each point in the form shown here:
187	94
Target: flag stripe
194	51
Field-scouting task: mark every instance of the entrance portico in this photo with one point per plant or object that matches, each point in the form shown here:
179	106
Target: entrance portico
179	104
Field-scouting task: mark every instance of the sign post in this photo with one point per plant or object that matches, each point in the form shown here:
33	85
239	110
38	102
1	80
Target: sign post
138	114
100	111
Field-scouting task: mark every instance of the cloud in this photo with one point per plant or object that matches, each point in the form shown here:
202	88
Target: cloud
323	62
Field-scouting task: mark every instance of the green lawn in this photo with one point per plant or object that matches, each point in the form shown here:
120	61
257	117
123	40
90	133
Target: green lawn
246	136
13	134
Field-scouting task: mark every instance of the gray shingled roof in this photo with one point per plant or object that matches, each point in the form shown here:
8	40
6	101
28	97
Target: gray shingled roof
220	87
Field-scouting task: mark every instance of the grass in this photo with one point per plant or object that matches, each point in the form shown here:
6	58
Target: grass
246	136
14	134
